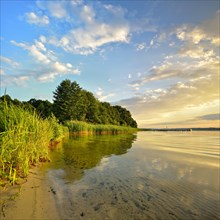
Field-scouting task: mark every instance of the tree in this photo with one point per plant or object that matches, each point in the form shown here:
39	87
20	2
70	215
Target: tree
43	108
66	97
92	108
17	102
81	106
6	98
125	118
71	102
103	113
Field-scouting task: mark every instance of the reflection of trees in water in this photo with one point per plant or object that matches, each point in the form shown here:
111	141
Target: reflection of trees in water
84	152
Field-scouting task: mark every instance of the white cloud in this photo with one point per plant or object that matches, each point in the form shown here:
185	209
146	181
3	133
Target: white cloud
205	34
159	38
76	2
2	72
40	45
9	61
192	80
182	69
90	31
37	51
87	14
43	39
57	9
195	35
172	44
101	96
18	80
197	52
94	31
190	61
7	79
183	98
33	18
99	92
87	40
207	31
164	71
196	86
138	74
141	46
47	65
49	73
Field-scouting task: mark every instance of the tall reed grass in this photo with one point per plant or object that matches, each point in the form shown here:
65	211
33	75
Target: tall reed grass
24	140
83	127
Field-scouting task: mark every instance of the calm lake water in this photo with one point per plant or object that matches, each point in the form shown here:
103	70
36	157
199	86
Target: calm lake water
148	175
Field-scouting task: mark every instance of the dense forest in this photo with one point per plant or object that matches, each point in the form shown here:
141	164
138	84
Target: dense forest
71	102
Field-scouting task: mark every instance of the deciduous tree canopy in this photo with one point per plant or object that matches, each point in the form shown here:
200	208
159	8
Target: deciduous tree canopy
71	102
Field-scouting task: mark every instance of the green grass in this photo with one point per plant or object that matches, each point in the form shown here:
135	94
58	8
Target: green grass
83	127
24	140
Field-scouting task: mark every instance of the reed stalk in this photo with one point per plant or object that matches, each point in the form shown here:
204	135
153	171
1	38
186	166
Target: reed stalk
83	127
24	140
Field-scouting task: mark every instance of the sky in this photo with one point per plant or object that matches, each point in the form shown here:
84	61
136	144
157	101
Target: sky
159	59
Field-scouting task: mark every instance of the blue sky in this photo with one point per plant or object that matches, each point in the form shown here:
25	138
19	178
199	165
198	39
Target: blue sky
159	59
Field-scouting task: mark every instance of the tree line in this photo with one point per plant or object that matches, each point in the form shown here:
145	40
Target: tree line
71	102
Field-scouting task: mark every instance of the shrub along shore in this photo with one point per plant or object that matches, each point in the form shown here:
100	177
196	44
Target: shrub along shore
24	140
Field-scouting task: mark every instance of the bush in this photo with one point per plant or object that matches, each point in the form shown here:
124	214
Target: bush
24	139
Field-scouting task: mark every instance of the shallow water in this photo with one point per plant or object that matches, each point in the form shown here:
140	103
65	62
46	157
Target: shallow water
148	175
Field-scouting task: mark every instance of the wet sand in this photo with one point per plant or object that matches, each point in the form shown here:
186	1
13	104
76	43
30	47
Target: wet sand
35	200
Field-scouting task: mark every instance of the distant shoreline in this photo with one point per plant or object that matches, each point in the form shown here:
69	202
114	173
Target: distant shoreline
179	129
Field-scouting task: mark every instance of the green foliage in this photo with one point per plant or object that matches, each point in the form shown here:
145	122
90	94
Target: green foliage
83	127
92	108
24	139
73	103
125	117
43	108
58	129
67	101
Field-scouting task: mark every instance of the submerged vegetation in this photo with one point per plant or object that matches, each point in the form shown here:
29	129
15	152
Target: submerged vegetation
27	128
24	139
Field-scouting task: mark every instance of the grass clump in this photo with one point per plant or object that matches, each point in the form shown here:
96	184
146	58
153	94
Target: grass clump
24	140
83	127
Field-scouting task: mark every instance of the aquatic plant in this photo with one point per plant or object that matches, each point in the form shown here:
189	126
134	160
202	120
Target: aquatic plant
83	127
24	139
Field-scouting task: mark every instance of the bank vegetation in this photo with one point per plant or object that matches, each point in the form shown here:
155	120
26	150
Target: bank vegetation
24	140
27	128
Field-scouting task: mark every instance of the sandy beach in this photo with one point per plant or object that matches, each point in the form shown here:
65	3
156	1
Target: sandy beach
35	200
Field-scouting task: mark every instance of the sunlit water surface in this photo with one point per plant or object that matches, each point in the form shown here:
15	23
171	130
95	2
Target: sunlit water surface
148	175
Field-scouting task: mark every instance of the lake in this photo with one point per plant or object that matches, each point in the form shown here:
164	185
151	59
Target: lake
148	175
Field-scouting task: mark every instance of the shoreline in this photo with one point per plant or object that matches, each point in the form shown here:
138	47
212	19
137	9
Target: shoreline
34	199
